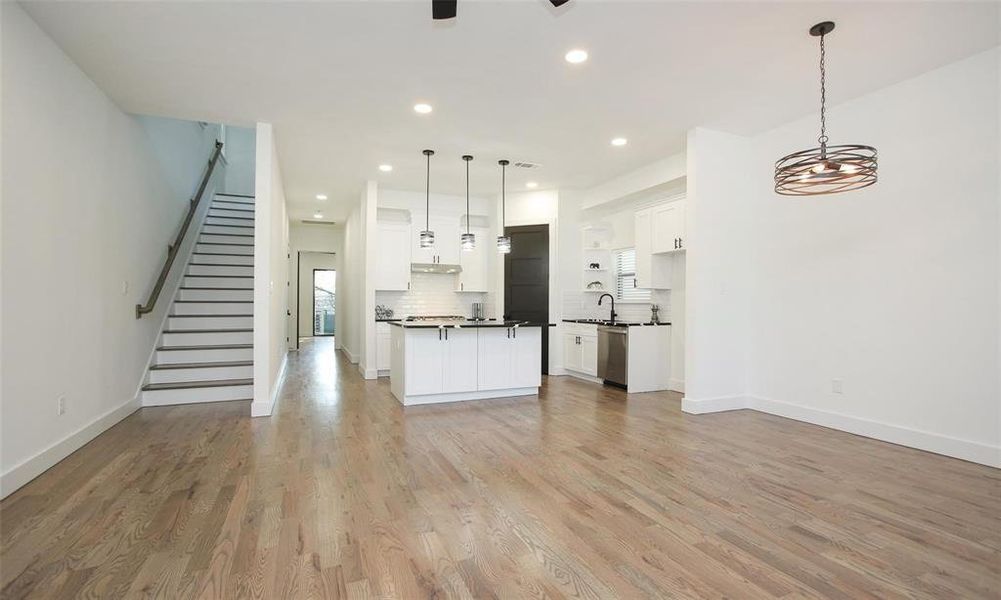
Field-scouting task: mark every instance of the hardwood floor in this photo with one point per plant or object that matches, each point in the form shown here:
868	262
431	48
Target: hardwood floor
579	494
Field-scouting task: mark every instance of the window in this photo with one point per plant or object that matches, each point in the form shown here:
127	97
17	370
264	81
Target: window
625	277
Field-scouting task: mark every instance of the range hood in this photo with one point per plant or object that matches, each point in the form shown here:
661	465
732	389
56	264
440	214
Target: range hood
435	268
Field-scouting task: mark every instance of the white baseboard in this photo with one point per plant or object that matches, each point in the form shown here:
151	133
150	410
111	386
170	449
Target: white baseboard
352	357
463	396
676	385
582	376
701	406
367	373
977	452
265	409
24	472
557	371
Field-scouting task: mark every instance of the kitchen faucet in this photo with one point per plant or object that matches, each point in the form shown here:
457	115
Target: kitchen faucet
612	298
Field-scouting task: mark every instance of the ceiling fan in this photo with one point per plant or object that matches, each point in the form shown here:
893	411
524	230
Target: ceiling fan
446	9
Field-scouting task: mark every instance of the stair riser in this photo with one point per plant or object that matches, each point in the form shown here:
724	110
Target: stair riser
211	238
247	271
196	395
173	357
247	260
207	339
228	212
178	323
233	199
227	221
213	308
237	283
200	374
233	295
225	249
228	229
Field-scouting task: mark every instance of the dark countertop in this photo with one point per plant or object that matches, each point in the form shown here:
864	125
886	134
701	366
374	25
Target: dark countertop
616	323
390	320
461	324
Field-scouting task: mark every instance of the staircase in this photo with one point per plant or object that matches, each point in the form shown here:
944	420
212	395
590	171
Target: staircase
205	352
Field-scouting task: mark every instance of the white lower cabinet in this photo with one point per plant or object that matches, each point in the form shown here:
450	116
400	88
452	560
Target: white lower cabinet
460	361
443	365
510	357
382	346
580	348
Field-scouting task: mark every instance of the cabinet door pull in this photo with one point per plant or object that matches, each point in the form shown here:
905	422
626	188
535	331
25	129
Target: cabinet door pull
408	285
508	333
680	242
439	334
515	332
446	335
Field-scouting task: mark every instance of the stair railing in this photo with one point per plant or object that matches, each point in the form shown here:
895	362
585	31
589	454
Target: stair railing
174	248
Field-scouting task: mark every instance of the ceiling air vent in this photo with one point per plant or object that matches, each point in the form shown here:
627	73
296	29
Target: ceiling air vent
317	222
524	164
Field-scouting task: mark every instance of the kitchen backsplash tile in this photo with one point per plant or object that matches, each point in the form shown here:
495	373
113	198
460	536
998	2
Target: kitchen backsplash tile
433	294
582	305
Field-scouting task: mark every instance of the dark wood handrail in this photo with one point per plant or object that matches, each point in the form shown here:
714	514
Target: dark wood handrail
173	249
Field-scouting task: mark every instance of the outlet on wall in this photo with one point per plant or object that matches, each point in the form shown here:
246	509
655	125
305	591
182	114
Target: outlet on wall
61	405
836	385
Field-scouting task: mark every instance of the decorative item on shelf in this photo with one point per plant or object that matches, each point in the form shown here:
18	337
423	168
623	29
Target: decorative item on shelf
468	240
383	312
827	169
595	285
654	313
594	266
503	240
427	236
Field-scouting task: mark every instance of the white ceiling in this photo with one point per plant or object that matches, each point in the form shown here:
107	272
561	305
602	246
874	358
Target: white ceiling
339	79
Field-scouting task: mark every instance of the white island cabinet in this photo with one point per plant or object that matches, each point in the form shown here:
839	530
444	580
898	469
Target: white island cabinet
448	363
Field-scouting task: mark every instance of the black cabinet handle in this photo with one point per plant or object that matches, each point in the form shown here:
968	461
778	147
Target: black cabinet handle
508	333
446	335
515	330
680	242
439	334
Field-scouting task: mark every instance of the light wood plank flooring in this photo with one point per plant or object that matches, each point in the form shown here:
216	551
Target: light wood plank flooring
580	494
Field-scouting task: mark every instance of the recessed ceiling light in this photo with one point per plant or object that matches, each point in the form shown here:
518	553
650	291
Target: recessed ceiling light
576	56
531	185
423	108
321	196
619	141
385	168
318	215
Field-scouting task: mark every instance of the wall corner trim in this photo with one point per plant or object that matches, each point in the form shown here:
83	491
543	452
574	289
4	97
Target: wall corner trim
261	409
701	406
19	475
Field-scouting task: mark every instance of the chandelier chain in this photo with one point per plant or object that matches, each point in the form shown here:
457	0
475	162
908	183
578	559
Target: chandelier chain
823	96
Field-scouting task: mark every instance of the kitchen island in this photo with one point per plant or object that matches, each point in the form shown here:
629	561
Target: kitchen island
451	361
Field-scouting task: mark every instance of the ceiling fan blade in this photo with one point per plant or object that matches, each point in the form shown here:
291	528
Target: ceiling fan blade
559	2
445	9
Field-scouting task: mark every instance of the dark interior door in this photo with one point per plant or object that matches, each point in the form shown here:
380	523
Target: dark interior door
526	280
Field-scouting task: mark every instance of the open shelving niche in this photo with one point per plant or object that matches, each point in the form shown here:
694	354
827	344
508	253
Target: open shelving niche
596	250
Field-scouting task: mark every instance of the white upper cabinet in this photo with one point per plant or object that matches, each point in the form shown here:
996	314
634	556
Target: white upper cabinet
473	277
668	227
446	241
392	261
653	271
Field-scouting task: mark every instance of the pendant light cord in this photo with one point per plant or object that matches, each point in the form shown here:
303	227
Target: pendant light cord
467	195
823	97
427	196
503	197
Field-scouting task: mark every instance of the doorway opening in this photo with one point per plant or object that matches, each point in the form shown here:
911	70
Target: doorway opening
324	284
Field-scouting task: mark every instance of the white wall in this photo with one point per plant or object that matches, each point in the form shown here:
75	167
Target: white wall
87	214
271	278
892	289
240	150
181	148
350	288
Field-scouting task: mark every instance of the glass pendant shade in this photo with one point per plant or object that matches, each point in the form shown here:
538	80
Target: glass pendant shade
427	239
825	169
468	242
503	244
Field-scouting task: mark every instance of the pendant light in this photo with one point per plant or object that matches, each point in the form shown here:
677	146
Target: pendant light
827	169
503	241
468	241
427	236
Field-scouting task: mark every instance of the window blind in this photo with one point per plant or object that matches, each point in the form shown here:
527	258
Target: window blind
625	277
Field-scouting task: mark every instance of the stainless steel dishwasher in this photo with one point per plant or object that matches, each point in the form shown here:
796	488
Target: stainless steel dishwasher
613	355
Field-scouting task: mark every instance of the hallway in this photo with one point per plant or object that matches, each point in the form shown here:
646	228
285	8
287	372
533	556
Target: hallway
581	493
